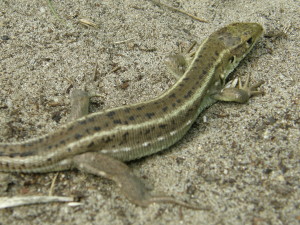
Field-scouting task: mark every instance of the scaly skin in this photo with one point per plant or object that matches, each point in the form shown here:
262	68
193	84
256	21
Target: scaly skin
131	132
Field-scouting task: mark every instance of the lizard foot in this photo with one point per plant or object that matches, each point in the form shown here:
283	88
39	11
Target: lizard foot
241	93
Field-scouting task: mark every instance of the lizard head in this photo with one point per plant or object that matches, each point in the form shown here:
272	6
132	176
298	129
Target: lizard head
234	42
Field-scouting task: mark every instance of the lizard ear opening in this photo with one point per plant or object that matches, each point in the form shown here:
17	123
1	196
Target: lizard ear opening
250	41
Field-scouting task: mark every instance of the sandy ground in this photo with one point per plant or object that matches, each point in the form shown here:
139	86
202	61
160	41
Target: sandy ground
242	162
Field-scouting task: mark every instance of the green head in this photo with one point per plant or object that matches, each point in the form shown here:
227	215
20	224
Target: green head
236	40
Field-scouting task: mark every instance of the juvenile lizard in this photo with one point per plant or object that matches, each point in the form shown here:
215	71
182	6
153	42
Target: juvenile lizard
100	142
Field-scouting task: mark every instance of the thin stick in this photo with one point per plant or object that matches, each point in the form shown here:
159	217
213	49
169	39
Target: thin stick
54	11
8	202
52	184
181	11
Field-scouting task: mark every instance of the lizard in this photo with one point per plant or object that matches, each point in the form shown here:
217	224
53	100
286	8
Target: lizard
101	142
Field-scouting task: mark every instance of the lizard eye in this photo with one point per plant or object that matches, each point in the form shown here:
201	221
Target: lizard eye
232	59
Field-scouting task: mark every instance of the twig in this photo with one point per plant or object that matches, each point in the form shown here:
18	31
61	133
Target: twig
54	11
179	10
52	184
8	202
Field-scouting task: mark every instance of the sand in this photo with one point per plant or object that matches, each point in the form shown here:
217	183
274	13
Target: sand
240	160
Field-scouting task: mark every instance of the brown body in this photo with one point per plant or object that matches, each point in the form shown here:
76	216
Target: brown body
130	132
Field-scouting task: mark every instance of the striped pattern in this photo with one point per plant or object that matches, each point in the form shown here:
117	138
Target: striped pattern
134	131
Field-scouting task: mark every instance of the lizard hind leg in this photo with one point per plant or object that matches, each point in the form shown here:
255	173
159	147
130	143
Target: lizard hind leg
131	186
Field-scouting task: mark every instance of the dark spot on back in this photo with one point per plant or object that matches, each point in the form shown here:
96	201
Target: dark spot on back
125	135
12	155
82	122
117	122
163	126
150	115
165	108
140	108
107	139
131	118
97	128
191	110
110	114
78	136
188	95
173	95
28	144
70	128
24	154
91	119
127	110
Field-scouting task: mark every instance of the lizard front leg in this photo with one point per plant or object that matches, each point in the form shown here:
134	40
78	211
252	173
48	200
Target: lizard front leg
239	94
